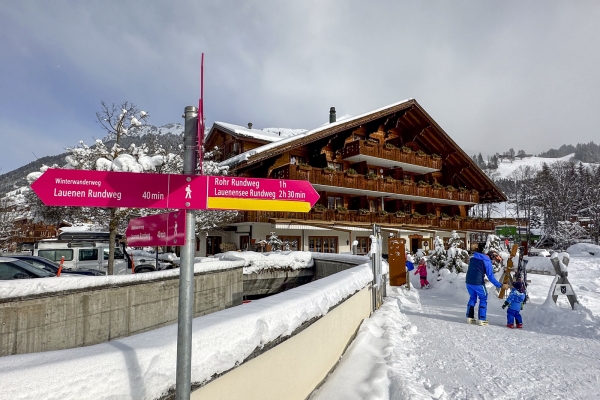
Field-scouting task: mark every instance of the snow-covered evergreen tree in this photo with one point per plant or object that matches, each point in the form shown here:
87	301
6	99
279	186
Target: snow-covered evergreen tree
457	258
274	242
493	243
437	256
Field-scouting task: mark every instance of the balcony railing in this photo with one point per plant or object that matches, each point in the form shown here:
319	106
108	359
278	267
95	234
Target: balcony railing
353	216
362	147
318	176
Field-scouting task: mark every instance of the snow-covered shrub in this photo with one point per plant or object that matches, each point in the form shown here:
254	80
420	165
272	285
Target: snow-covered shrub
456	258
437	256
493	243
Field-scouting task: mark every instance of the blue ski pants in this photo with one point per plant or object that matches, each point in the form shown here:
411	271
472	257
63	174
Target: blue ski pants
511	315
477	291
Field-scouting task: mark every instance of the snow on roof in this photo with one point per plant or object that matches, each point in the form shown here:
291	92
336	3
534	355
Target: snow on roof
267	134
245	156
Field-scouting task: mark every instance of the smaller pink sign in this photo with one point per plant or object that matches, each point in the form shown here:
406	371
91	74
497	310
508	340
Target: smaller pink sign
157	230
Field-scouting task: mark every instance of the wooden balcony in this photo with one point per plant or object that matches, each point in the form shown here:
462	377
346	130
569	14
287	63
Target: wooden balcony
357	218
385	187
381	155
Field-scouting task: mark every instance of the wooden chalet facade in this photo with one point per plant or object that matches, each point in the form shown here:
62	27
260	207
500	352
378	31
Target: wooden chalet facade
394	166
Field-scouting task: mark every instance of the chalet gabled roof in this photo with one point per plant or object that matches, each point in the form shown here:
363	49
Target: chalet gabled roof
410	116
263	135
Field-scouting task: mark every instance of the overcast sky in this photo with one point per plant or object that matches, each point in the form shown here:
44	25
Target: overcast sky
493	74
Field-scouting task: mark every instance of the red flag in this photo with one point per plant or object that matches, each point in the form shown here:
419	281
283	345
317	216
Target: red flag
201	118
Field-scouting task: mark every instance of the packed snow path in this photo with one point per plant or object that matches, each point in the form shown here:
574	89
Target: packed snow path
495	362
419	346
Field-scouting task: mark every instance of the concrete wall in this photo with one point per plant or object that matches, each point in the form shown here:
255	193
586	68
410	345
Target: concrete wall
85	317
294	368
269	282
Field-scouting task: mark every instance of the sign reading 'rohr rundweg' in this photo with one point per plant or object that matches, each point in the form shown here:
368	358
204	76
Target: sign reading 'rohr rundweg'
80	188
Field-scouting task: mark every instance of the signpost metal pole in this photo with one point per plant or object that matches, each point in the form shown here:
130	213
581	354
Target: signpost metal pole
186	270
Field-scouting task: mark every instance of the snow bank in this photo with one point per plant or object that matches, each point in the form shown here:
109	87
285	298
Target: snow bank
584	250
381	362
143	366
28	287
256	262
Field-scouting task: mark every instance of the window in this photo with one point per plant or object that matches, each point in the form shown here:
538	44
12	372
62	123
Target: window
118	253
55	255
363	245
298	160
372	205
322	244
232	148
8	271
334	202
291	240
88	254
407	208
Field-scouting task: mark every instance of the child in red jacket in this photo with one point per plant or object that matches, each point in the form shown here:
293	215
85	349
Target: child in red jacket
422	271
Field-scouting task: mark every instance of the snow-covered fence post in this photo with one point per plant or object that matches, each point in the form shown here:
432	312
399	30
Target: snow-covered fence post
183	380
561	285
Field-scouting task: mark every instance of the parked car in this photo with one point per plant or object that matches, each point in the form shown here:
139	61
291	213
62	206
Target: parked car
538	252
11	268
52	267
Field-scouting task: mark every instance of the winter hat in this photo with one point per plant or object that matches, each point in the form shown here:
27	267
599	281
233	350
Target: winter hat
519	286
493	255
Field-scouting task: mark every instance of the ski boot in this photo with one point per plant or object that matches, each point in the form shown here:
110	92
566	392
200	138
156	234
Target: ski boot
511	326
471	321
483	322
519	326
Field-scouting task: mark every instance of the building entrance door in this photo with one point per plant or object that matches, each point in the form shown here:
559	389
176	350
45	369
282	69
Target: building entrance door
212	245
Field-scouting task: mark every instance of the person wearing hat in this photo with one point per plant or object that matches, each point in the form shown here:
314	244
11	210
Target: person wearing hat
422	271
514	303
479	267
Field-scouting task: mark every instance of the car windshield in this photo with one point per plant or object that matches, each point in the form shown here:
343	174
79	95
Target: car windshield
30	268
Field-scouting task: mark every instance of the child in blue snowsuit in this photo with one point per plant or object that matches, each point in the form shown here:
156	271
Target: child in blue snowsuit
514	300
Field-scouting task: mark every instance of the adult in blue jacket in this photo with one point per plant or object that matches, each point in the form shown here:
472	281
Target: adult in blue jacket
480	266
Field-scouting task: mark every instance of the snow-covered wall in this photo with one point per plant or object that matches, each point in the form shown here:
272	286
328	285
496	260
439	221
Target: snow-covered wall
143	366
88	311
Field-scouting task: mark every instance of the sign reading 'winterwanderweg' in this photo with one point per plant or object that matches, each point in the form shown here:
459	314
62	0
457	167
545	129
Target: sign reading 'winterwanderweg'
80	188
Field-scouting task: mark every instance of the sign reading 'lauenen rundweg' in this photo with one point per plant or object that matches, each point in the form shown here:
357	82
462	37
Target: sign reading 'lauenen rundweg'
63	187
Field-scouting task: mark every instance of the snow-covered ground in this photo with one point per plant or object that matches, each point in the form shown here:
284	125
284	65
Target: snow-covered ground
418	345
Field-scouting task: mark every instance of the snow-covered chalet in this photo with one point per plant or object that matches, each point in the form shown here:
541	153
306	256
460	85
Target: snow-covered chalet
394	166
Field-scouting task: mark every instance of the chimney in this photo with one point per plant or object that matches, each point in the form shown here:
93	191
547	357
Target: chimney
249	125
332	115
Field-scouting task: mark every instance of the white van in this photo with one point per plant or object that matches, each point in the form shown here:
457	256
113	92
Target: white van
83	250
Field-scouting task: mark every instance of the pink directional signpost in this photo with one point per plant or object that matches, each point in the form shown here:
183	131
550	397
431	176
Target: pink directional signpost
157	230
80	188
